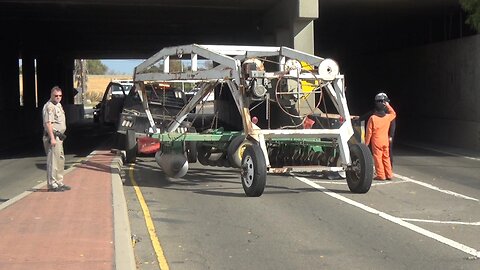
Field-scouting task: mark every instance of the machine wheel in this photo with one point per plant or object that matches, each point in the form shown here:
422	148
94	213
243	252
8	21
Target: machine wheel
254	170
191	151
235	150
130	146
360	175
203	152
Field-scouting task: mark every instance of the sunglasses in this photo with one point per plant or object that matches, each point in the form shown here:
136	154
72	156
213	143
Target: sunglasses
58	95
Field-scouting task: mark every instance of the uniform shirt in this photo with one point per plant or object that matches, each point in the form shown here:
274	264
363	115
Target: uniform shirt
377	128
54	114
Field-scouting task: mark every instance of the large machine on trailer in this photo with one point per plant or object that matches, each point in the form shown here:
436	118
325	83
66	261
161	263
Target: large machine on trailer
276	110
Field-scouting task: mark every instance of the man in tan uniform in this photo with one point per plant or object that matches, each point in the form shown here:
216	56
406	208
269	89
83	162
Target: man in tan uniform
53	136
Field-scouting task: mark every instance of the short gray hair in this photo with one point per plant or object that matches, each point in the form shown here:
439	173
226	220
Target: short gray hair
56	88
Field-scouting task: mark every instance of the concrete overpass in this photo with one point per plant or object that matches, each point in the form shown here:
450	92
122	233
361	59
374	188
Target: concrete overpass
419	52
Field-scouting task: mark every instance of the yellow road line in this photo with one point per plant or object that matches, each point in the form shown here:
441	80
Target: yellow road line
162	261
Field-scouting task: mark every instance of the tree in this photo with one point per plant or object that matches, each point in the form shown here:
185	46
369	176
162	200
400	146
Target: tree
96	67
176	65
472	7
80	79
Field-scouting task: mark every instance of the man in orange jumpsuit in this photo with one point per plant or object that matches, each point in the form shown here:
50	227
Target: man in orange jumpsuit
377	135
364	117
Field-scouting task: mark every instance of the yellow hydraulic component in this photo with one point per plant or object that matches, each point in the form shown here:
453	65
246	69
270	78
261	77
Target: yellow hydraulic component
308	86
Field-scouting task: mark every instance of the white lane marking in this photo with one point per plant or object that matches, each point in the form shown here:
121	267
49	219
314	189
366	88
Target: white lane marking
393	219
442	222
343	182
441	151
434	187
381	183
403	179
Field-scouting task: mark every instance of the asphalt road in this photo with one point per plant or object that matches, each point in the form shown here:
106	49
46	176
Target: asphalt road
428	217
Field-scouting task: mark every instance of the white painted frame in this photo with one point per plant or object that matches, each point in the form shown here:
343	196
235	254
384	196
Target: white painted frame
229	58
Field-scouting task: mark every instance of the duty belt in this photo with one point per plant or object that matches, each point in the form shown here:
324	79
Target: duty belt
58	134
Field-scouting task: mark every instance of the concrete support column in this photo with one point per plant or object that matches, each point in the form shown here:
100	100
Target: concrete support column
291	21
68	88
51	71
9	95
28	71
45	78
303	39
9	83
58	70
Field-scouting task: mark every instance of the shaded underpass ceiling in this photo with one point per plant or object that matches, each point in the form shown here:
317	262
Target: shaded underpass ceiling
128	28
136	29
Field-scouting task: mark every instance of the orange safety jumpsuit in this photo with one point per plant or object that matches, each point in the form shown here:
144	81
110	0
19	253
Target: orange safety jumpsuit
377	135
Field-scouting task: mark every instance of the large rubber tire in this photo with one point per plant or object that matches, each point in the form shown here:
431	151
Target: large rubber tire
235	151
203	154
360	175
232	151
130	146
254	171
191	151
191	148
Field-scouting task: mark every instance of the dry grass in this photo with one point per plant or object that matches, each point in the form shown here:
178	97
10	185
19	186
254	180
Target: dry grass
96	85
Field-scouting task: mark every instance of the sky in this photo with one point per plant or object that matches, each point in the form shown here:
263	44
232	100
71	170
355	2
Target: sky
121	66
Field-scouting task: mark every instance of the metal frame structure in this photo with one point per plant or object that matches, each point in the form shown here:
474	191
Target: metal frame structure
228	61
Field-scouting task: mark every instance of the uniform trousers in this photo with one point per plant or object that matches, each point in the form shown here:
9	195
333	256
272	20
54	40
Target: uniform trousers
55	162
381	158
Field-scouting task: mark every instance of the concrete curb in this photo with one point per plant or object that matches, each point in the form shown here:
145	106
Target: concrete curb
124	255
